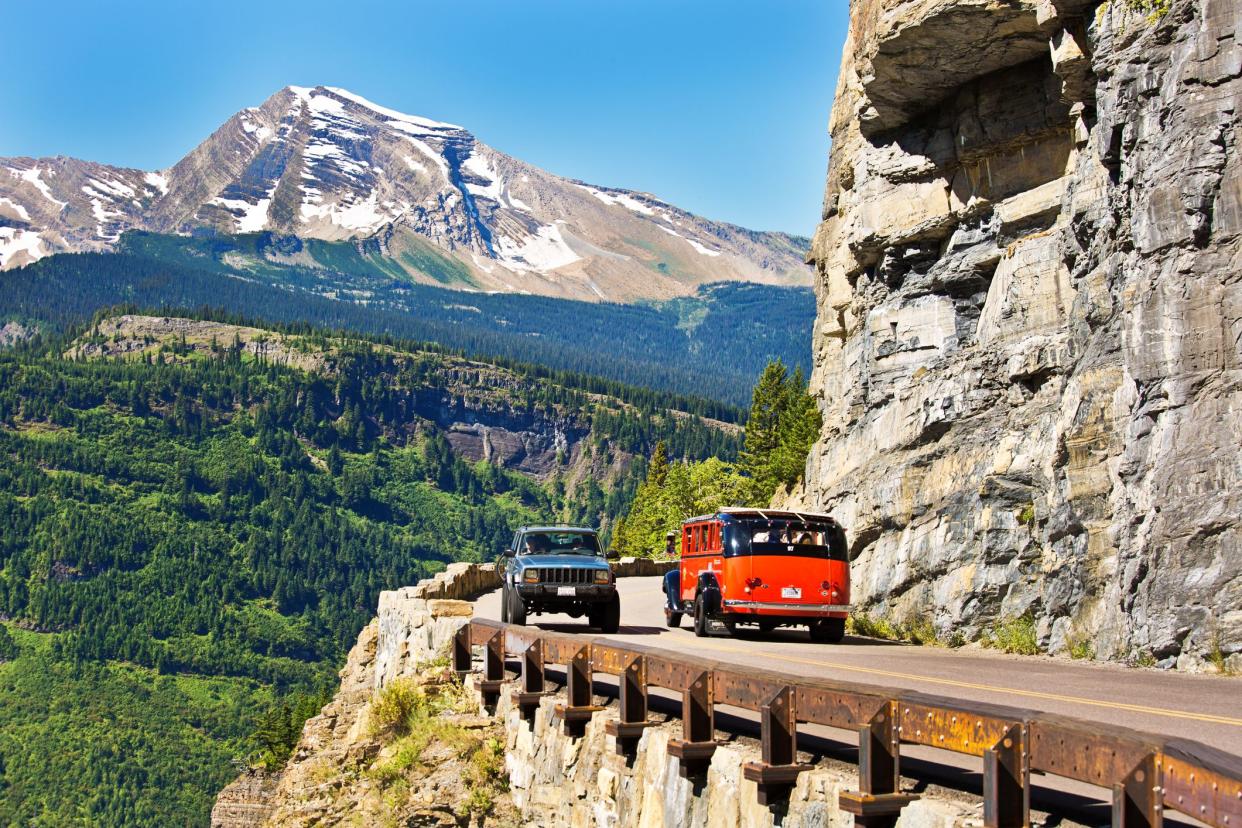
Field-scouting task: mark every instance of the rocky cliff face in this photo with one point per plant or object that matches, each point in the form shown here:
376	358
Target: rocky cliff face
1030	322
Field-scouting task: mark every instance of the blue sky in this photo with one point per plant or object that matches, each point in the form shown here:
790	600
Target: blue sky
719	107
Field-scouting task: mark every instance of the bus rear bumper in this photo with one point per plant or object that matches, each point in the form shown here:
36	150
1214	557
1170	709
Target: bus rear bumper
765	607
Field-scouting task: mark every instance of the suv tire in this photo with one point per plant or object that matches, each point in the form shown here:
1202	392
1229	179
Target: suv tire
607	616
504	605
828	631
517	610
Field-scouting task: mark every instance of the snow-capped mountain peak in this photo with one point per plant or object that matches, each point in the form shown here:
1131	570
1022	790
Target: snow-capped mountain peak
323	162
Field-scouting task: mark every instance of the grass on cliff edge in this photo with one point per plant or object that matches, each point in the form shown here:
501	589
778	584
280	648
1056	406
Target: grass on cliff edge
414	719
1009	635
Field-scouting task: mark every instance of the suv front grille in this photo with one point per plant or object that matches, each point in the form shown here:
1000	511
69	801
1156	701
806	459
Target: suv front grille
566	576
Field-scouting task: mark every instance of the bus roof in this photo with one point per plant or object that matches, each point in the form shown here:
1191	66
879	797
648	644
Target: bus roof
766	514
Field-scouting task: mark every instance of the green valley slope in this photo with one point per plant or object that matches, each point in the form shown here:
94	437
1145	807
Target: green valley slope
196	518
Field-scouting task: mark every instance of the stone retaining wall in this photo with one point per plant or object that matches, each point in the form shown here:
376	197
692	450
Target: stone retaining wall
416	623
559	782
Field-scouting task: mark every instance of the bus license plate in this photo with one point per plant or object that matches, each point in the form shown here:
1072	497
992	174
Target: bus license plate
570	591
791	592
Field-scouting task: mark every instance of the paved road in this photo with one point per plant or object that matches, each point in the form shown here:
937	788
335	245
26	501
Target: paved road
1205	708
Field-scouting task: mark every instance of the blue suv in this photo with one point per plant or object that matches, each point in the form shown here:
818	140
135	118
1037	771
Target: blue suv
559	569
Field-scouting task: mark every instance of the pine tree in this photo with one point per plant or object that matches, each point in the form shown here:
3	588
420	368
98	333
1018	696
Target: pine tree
658	470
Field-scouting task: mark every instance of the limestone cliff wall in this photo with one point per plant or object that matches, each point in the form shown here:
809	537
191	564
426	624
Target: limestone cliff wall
1029	343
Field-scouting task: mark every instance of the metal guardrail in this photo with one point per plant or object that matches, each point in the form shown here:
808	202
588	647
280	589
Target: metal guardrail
1146	774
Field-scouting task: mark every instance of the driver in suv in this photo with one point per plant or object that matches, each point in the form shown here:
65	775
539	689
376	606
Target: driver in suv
559	569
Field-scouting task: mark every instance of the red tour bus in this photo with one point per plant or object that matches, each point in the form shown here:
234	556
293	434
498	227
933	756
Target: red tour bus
765	567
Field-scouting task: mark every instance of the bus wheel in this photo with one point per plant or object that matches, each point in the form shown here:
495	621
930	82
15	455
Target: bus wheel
672	620
700	618
828	631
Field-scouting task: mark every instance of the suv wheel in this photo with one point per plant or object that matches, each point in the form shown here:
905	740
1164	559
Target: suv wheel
608	616
517	610
700	618
504	605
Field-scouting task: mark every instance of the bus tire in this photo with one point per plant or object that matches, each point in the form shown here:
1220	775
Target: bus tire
672	620
700	618
828	631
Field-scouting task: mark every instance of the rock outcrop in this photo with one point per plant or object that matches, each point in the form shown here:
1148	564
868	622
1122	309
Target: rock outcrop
1029	341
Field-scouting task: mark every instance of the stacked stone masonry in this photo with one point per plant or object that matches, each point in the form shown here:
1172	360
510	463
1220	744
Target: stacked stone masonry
1028	350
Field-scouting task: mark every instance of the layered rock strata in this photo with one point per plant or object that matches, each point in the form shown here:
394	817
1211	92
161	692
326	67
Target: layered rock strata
1029	343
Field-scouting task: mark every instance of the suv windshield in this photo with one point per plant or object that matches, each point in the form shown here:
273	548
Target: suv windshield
786	537
560	543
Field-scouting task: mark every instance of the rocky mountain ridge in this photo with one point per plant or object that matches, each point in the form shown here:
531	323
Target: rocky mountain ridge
1028	342
324	163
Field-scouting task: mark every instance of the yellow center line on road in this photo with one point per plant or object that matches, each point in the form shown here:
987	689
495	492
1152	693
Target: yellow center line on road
1134	708
1034	694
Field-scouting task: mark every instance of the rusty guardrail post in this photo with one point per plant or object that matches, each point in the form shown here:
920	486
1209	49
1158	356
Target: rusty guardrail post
877	803
698	723
1137	799
633	704
1006	781
577	713
776	774
526	699
493	669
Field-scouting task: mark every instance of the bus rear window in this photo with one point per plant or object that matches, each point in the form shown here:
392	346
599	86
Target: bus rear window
786	537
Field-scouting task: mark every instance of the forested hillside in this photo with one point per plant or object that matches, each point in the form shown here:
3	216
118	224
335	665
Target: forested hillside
196	519
712	344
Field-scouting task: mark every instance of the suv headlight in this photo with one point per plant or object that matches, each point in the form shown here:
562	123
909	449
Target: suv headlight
603	576
531	576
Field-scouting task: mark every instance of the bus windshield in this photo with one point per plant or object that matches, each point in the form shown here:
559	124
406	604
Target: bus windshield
757	536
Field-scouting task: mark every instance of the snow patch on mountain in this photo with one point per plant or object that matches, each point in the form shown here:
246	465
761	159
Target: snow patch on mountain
543	251
400	117
158	181
18	210
706	251
32	176
250	218
14	241
616	199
